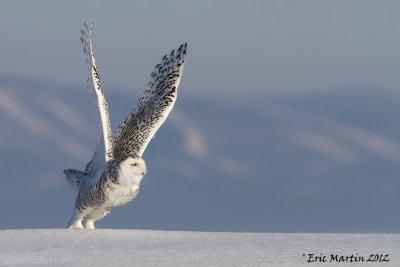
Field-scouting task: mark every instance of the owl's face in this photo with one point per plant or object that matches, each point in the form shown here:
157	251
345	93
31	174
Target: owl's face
134	166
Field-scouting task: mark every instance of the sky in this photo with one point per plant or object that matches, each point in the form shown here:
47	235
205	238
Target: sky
242	49
286	118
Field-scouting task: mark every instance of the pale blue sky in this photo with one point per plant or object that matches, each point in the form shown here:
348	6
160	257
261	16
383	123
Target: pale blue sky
242	49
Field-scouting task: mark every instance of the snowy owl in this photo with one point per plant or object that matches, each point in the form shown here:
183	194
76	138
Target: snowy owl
112	178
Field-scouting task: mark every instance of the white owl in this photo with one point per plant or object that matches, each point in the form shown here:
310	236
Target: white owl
112	178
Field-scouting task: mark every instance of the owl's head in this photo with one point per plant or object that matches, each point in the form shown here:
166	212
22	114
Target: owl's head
133	165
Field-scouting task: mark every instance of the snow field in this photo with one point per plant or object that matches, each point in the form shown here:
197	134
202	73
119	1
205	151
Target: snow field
106	247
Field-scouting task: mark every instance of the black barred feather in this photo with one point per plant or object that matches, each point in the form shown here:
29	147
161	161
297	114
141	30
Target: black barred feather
134	134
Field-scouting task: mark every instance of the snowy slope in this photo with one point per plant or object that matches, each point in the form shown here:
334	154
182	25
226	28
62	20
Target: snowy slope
169	248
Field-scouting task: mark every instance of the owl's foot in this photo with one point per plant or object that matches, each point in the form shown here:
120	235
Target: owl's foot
88	224
76	219
94	215
76	225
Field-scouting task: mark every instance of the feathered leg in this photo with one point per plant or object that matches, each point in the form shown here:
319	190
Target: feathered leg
76	219
94	215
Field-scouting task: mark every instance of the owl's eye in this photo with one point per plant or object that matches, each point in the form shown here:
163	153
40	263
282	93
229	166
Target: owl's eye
133	164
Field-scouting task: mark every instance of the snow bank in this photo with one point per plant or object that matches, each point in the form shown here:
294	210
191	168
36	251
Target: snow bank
104	247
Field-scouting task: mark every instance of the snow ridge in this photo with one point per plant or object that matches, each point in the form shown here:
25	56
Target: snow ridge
105	247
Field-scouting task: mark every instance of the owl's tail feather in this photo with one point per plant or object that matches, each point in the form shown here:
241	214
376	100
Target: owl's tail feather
75	177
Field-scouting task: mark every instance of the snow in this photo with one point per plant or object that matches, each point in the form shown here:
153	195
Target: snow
105	247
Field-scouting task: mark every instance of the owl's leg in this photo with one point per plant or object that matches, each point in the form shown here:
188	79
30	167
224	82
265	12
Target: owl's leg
76	219
93	216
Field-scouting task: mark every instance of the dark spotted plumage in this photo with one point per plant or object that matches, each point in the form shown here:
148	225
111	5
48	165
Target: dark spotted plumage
93	195
153	107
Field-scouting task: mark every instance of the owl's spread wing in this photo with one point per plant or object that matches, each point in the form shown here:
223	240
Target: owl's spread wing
103	149
134	134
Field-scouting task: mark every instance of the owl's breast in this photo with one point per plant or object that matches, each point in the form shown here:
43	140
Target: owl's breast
124	186
121	195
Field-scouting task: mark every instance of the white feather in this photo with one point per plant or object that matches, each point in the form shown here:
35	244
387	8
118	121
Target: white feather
94	85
